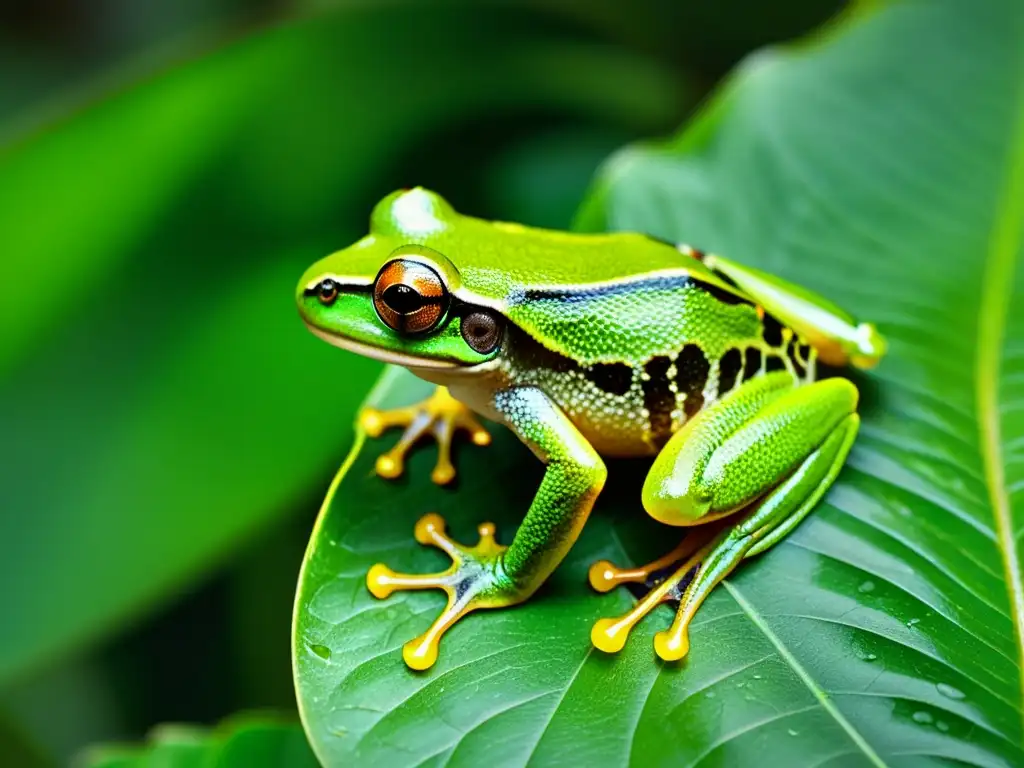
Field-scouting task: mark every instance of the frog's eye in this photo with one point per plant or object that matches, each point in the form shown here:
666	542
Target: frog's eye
409	297
482	331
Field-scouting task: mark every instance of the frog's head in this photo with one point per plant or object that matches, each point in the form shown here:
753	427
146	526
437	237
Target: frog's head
395	296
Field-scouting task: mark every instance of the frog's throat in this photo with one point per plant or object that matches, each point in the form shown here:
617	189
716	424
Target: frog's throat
398	358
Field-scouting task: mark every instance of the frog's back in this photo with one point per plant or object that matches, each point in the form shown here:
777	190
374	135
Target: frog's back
630	360
614	297
506	257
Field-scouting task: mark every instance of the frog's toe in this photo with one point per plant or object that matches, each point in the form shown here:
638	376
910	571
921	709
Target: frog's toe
674	643
451	417
610	635
440	416
474	580
605	576
375	421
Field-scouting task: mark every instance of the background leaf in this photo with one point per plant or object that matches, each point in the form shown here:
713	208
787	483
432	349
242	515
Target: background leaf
164	403
242	742
17	748
883	165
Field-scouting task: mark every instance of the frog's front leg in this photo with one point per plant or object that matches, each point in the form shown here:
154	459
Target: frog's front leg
440	415
490	575
767	451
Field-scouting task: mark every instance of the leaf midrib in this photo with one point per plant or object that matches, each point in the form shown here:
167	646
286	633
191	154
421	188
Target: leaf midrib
1006	239
805	677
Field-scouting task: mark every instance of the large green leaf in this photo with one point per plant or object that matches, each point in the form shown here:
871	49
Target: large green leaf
164	400
882	164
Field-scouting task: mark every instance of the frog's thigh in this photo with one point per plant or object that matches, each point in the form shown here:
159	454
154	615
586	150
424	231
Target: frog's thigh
742	447
771	519
784	459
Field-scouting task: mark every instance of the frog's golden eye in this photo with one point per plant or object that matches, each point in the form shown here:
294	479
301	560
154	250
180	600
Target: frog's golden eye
409	297
327	292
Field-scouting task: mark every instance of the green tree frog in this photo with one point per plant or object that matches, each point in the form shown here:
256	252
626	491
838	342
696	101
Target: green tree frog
587	347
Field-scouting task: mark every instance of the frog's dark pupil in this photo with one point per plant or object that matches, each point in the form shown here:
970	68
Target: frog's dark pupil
402	299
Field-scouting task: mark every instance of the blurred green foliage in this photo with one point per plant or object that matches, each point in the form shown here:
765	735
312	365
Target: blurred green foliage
242	742
167	169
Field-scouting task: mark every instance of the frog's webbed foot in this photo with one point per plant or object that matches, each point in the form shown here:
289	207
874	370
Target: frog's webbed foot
440	415
474	580
610	635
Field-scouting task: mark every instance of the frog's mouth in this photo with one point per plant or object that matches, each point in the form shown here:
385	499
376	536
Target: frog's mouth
384	355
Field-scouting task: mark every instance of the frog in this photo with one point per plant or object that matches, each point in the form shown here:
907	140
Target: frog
590	347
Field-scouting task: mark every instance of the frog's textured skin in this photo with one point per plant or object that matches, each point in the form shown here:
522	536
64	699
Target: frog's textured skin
631	401
591	346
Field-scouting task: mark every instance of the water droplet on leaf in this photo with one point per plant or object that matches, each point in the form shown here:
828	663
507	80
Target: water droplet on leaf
867	586
321	650
924	718
950	692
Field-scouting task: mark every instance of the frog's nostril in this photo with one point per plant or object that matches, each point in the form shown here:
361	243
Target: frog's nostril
327	292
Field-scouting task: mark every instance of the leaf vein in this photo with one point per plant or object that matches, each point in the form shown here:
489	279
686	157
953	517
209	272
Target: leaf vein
926	654
805	677
554	709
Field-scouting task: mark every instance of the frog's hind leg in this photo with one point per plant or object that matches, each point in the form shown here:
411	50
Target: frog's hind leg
751	466
440	415
769	521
